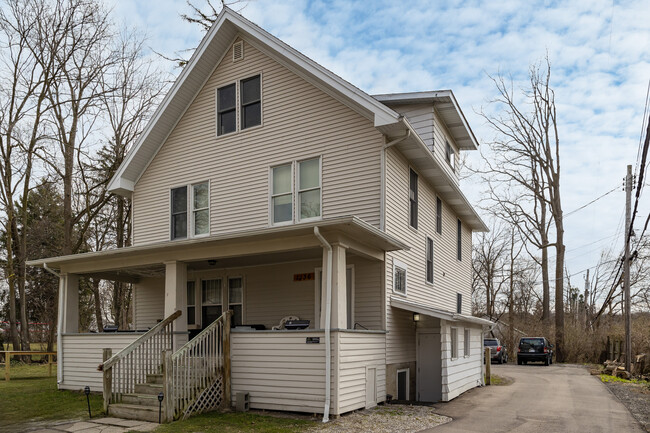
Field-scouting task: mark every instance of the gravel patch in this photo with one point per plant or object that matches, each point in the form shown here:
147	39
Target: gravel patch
385	419
636	398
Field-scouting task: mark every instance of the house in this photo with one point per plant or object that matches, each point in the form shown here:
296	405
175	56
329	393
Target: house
267	187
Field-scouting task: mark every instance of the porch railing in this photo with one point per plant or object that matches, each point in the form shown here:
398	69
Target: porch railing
197	376
131	365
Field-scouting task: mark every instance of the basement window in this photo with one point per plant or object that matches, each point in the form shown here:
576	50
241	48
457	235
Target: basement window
403	384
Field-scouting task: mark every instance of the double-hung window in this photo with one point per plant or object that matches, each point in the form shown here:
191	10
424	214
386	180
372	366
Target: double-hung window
236	300
191	302
309	188
429	266
413	199
251	102
466	342
307	206
399	277
438	215
227	109
450	155
211	301
454	343
281	194
459	240
459	303
249	105
179	213
190	215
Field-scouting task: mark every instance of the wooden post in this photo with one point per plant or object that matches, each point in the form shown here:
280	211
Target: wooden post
488	362
7	365
107	375
168	401
226	359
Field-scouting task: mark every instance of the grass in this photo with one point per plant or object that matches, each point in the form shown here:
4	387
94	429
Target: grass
231	422
35	347
608	378
31	397
499	381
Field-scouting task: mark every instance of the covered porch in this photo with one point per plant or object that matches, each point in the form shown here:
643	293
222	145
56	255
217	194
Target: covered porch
262	277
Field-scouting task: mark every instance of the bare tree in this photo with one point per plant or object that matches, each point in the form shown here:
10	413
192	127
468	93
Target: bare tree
528	169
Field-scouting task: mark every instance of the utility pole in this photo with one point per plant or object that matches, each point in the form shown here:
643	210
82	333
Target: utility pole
585	302
626	268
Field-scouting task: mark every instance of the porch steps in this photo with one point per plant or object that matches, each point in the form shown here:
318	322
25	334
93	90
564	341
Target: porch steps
143	403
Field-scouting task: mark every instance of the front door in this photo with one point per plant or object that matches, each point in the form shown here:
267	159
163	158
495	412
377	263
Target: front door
211	301
429	368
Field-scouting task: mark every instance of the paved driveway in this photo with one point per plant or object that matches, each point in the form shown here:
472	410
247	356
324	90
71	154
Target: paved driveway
559	398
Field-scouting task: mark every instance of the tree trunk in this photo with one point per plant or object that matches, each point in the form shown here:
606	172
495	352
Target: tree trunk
559	294
546	310
98	304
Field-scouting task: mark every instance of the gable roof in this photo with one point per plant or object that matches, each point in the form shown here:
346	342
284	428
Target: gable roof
447	107
200	67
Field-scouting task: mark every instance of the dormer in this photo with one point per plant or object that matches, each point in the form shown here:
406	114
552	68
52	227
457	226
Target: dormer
439	121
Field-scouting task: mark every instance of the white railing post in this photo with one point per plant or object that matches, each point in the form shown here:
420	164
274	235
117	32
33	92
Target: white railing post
107	378
168	386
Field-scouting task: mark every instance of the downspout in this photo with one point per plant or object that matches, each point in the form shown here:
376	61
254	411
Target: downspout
328	325
59	342
382	210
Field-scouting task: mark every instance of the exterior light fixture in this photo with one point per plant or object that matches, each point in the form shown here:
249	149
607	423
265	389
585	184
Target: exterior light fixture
416	317
87	392
161	396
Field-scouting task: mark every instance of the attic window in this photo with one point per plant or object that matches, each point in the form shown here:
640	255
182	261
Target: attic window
238	51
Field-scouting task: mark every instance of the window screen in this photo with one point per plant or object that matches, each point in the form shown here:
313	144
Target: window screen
251	102
226	109
179	213
459	241
429	267
438	215
309	188
281	195
413	199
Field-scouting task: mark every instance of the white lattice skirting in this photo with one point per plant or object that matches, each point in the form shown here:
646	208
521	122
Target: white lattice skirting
210	399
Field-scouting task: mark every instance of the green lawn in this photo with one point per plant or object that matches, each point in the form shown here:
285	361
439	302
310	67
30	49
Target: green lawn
31	396
237	423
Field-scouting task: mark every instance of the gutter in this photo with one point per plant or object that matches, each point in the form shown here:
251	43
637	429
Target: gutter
59	326
328	325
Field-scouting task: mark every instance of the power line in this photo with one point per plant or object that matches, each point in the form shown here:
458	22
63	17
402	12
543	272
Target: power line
591	202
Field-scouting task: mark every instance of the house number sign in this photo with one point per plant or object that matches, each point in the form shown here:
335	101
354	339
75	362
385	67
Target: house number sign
313	340
303	277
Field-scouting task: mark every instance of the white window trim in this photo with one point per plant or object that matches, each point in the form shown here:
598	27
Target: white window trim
298	191
426	259
195	303
467	336
404	266
238	106
295	192
170	207
192	210
451	343
408	380
243	294
216	106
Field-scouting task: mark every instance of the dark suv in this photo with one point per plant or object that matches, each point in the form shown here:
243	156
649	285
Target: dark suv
498	352
534	349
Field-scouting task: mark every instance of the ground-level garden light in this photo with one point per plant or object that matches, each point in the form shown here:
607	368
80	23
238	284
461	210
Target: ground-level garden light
87	392
161	396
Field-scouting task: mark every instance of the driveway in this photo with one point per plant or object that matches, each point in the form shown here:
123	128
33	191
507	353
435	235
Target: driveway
559	398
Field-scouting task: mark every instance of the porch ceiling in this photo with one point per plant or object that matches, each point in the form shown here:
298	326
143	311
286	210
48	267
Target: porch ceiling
284	243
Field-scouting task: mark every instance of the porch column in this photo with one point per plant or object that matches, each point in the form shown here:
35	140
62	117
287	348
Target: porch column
176	299
68	320
339	288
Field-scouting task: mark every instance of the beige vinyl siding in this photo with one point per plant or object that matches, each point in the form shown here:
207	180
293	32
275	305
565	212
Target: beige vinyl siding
450	275
367	292
432	130
441	134
82	353
462	373
358	351
299	121
149	300
271	294
400	340
279	370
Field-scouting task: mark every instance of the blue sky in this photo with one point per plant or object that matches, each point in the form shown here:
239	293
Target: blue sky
600	54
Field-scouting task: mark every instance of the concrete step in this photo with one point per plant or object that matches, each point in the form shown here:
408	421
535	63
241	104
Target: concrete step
148	388
155	378
140	399
134	411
